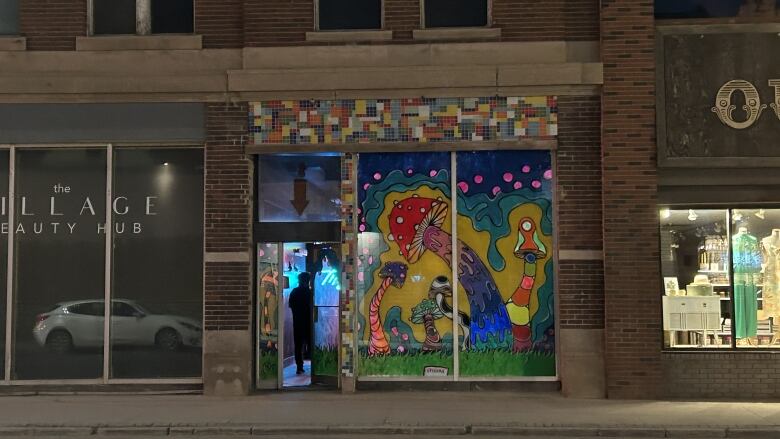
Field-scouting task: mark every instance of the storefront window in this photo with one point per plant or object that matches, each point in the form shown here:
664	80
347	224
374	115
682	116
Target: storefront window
156	322
701	252
299	187
59	263
715	8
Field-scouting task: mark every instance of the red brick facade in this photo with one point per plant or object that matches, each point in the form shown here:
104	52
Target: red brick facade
52	24
228	219
221	22
402	17
277	22
631	267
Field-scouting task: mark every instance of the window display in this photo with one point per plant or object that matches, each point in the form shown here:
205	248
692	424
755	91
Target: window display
701	251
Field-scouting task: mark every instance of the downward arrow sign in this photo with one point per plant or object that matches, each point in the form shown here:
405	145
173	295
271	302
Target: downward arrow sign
299	200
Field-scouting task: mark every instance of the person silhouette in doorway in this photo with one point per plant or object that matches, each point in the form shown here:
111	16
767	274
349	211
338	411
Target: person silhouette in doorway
300	304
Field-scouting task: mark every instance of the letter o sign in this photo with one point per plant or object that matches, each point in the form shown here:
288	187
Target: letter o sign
724	107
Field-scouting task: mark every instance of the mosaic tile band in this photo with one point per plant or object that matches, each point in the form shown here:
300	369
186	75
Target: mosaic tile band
403	120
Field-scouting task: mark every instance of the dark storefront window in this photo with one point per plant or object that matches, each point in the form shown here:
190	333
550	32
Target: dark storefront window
119	16
9	17
172	16
715	8
455	13
721	277
156	323
350	14
60	211
113	16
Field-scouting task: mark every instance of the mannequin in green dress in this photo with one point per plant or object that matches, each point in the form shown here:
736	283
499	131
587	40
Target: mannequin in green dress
747	264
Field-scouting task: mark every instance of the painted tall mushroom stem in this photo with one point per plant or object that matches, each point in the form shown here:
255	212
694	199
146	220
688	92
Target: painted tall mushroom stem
530	249
393	273
415	225
440	290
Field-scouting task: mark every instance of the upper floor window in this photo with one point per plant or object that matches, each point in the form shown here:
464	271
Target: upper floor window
142	16
9	17
456	13
716	8
350	14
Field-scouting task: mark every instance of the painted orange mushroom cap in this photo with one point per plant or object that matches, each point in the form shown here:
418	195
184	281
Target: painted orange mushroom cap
409	219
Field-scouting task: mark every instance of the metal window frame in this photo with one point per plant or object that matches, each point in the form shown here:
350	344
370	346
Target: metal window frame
105	379
317	19
488	19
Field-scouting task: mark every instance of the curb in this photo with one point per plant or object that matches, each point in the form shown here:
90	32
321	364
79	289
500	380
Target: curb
399	430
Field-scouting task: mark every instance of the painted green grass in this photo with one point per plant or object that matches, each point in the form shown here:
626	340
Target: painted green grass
472	363
269	367
506	363
406	365
325	361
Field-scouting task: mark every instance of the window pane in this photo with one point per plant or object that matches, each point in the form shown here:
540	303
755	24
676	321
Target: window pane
4	158
756	249
350	14
404	278
715	8
695	268
455	13
113	16
172	16
9	17
60	259
299	187
505	241
156	327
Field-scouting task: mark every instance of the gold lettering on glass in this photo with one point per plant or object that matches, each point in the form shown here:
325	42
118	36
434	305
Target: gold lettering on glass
724	107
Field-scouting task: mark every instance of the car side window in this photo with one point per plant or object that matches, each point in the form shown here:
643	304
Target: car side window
122	309
87	308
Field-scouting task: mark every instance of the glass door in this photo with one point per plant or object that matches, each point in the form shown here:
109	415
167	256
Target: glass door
326	279
267	303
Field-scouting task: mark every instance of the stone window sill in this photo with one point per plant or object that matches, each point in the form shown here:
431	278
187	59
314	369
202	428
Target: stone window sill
11	43
457	33
140	42
349	36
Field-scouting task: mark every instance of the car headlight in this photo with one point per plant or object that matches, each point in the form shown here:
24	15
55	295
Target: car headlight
190	326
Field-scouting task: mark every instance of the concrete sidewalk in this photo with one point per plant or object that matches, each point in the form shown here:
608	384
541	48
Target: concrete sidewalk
371	413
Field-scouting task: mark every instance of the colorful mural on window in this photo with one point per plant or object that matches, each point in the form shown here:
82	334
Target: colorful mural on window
268	292
402	331
505	312
403	120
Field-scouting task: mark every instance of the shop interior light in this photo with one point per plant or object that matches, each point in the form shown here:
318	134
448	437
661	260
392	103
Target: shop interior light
165	164
666	213
692	215
760	213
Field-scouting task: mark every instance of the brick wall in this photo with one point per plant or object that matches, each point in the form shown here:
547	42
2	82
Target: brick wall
631	264
736	375
530	20
221	22
277	22
402	17
579	185
228	219
52	24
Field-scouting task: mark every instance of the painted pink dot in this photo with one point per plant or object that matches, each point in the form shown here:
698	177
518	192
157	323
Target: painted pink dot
508	177
359	262
362	227
405	336
360	211
362	220
366	186
536	184
361	276
526	169
477	179
370	260
548	174
365	251
433	172
401	349
517	185
463	186
260	252
496	190
394	330
377	176
409	171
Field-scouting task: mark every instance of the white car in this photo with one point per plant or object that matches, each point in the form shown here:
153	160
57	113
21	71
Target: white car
79	324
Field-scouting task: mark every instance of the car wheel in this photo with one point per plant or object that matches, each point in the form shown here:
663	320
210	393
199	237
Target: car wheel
168	339
59	341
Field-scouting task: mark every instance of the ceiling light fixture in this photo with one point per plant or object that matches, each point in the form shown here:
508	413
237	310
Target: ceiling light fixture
692	215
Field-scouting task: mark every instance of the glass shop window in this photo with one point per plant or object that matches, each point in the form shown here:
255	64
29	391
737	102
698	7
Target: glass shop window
720	272
121	17
9	17
456	13
350	14
674	9
299	187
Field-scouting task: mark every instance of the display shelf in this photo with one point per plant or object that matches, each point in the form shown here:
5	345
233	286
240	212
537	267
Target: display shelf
713	271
